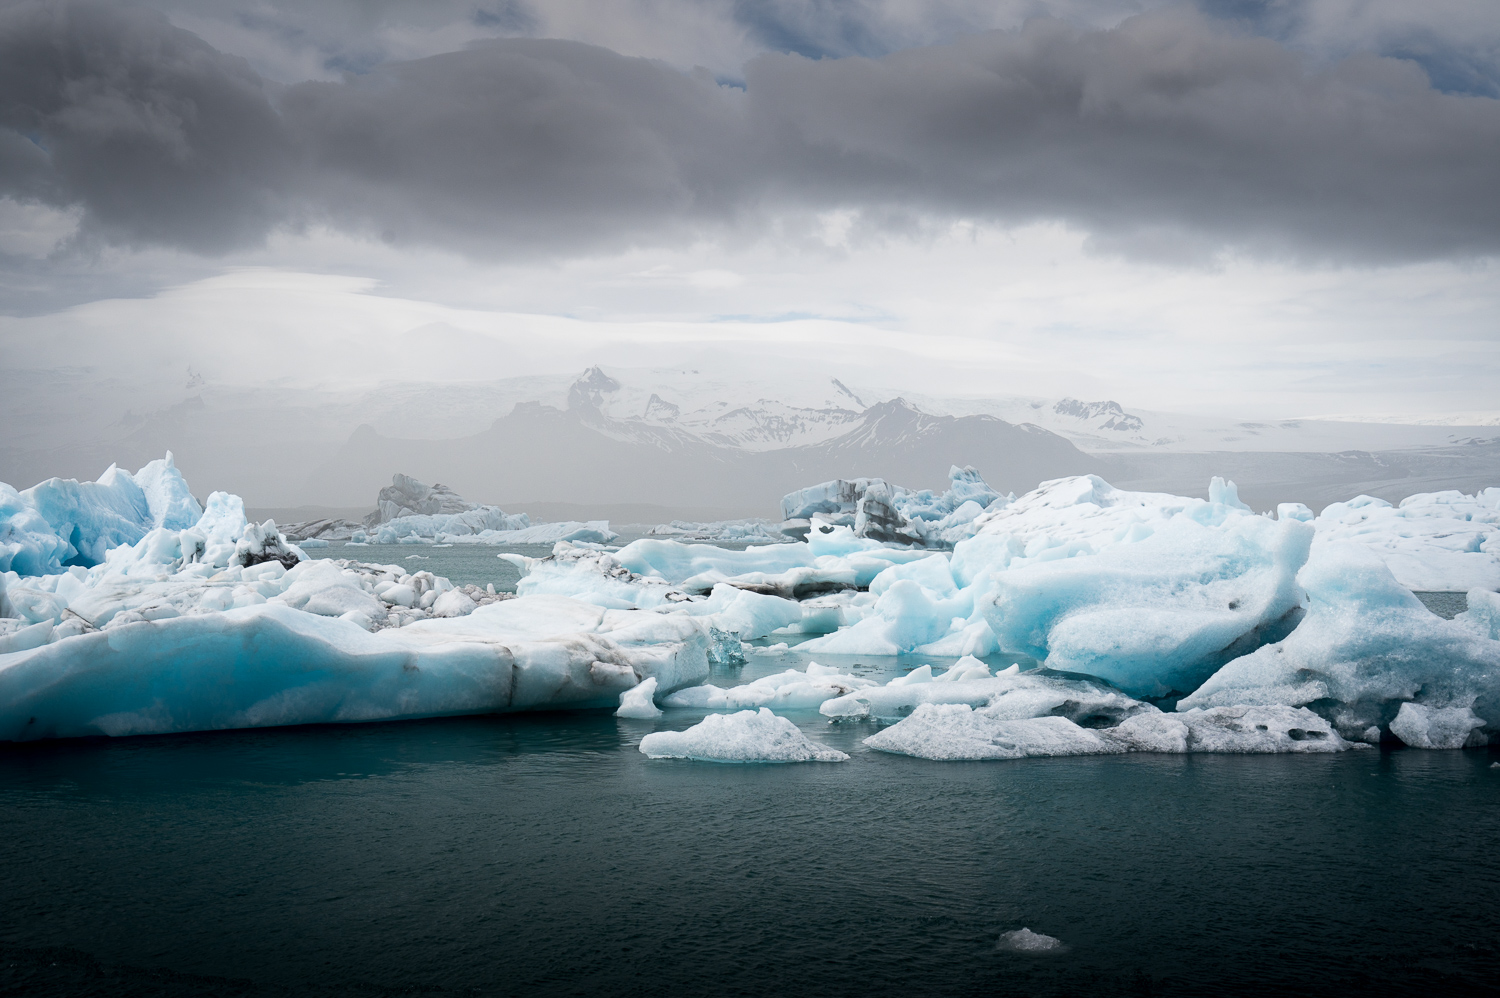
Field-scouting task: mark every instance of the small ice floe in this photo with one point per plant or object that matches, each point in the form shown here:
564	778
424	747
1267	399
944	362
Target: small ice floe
748	736
1023	940
417	557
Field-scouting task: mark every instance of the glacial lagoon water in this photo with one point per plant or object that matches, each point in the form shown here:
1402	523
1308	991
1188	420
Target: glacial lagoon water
542	854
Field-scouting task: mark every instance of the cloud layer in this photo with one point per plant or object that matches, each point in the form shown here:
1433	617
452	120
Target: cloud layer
1169	133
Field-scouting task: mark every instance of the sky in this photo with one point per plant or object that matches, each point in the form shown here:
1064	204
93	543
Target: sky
1276	209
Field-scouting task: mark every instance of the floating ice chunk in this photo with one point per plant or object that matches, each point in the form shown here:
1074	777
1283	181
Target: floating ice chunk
1437	727
638	702
1026	941
954	732
1366	646
748	736
788	690
1273	729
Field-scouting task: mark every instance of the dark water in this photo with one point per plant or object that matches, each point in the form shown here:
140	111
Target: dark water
544	855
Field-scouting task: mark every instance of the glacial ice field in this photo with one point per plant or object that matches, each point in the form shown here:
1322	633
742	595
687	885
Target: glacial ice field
1077	619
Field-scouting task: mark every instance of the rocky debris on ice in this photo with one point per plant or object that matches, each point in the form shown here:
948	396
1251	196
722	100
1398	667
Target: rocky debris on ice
875	509
746	736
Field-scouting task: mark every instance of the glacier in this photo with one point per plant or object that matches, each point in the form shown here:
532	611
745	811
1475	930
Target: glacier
1155	622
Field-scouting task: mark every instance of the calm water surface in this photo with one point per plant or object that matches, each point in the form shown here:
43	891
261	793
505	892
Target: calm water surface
544	855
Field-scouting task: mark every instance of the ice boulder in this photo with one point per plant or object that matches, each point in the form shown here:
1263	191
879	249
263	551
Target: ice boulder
747	736
1366	647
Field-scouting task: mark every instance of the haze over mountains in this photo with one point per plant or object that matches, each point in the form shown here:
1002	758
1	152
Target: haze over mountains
697	443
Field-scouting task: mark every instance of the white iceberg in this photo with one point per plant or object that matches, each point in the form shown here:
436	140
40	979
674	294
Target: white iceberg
748	736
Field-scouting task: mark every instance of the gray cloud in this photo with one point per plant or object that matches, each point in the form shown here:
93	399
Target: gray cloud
1169	133
161	138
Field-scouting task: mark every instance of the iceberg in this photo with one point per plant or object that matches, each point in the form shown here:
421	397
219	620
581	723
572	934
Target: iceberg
63	522
958	732
747	736
875	509
270	664
1366	647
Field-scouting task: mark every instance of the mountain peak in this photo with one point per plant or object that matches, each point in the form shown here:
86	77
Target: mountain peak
589	390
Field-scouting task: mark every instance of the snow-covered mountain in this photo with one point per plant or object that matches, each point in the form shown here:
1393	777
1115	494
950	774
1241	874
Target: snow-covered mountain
662	435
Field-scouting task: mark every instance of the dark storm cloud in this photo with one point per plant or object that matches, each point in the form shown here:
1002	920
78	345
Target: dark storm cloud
158	136
1170	131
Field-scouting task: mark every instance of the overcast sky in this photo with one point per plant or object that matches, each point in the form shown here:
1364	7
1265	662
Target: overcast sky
1281	208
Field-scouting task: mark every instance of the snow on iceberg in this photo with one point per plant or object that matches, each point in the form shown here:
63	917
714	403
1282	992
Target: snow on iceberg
747	736
1432	540
1366	647
270	664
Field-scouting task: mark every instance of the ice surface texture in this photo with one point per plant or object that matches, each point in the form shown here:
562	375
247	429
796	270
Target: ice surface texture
748	736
